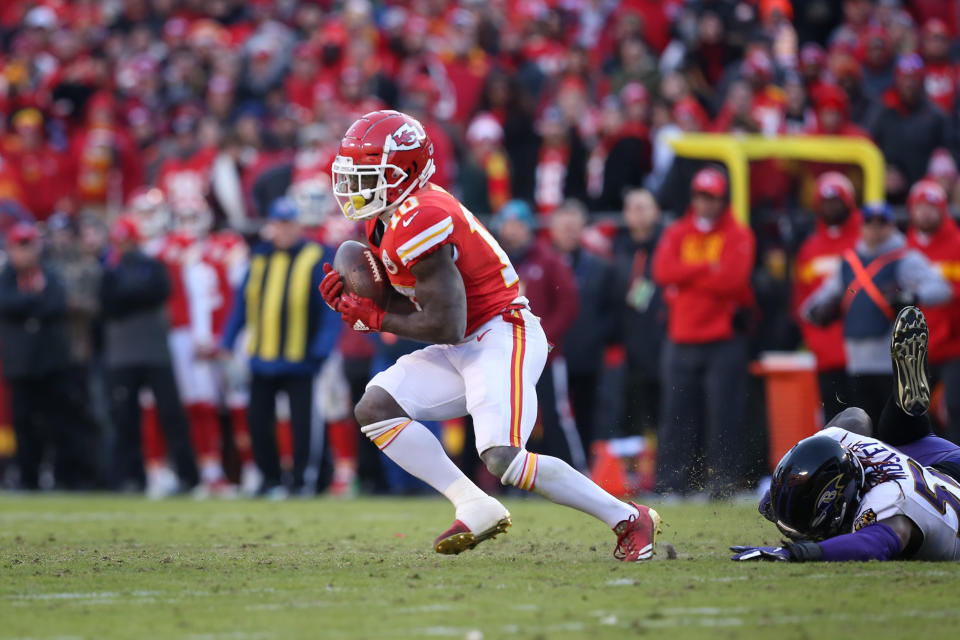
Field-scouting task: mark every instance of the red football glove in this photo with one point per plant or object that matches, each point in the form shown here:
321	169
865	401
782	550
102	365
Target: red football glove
331	287
362	314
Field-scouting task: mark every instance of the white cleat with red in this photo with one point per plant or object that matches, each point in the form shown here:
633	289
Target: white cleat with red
477	520
637	535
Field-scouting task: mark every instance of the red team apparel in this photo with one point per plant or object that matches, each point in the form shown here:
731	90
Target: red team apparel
431	218
492	373
381	175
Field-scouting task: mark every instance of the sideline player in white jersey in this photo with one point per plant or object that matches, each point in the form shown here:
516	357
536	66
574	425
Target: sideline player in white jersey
487	349
841	495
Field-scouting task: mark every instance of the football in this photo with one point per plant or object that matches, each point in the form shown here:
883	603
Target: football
362	272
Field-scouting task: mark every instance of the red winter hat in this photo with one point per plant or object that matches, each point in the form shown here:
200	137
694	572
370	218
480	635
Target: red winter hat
21	233
125	229
928	191
688	108
757	64
710	181
941	164
834	184
830	96
634	92
936	27
910	64
812	55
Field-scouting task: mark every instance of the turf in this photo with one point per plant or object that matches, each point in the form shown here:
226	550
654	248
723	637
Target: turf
112	567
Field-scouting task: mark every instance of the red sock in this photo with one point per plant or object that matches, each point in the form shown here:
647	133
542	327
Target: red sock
343	439
153	445
285	443
204	431
241	434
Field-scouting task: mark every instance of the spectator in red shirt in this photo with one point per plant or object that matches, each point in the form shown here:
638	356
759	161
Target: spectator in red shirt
549	284
299	83
935	234
45	175
108	167
703	262
940	73
837	229
813	62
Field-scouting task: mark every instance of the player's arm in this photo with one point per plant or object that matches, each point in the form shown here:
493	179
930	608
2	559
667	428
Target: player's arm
884	540
440	292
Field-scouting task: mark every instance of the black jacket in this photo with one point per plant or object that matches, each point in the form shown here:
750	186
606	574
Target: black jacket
596	323
626	166
33	327
907	140
136	283
133	297
643	314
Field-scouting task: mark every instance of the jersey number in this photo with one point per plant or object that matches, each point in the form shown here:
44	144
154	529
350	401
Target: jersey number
937	495
508	273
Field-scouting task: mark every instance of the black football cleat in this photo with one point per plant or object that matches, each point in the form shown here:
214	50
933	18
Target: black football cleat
908	349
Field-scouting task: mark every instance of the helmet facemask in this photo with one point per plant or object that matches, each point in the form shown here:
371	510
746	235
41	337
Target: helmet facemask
361	189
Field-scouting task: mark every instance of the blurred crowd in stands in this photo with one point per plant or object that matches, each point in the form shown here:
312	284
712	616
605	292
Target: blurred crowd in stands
157	156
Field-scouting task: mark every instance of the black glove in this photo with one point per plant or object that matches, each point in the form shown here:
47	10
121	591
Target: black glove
825	313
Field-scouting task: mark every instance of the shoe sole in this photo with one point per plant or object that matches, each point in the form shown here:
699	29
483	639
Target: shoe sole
460	542
647	552
908	349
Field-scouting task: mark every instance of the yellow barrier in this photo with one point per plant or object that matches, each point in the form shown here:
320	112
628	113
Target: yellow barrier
735	151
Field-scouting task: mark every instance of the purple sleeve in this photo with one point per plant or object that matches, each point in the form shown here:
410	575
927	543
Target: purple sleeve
876	542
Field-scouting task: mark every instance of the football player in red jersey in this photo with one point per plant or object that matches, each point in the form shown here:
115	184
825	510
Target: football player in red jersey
487	349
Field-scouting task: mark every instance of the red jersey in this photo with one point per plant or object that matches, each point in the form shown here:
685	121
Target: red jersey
227	255
177	251
185	181
818	257
940	83
942	248
425	221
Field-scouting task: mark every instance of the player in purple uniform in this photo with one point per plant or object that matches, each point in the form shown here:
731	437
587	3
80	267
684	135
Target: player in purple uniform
843	495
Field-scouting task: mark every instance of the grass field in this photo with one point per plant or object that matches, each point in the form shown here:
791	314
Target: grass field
111	567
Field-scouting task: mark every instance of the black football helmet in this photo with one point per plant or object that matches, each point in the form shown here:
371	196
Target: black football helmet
815	489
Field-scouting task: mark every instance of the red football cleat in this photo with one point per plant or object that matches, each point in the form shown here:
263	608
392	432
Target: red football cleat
637	535
459	538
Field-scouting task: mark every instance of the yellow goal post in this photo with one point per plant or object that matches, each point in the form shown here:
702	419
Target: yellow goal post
736	151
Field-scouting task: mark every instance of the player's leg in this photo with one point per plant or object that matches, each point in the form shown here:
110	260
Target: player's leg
425	385
500	375
208	443
196	384
904	422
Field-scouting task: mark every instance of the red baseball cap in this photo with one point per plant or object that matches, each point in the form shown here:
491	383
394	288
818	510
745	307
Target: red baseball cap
710	181
21	233
634	92
125	229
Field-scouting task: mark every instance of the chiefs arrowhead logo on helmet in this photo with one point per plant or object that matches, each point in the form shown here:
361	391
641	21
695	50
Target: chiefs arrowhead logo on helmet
405	138
382	158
